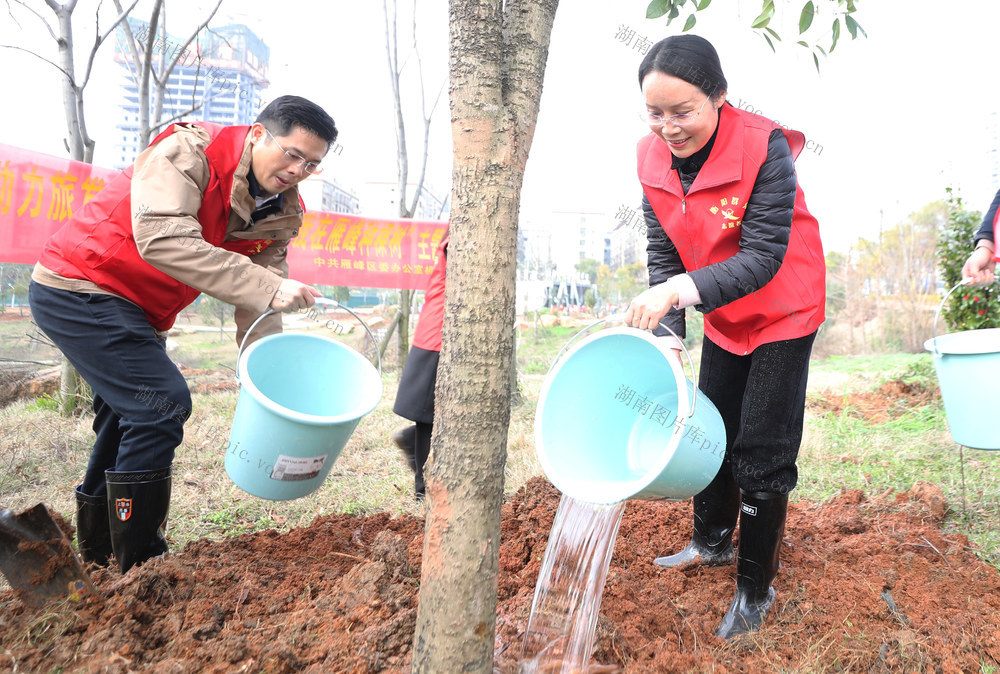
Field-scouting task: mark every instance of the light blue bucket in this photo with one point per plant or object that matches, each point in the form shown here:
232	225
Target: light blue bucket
617	419
300	399
964	361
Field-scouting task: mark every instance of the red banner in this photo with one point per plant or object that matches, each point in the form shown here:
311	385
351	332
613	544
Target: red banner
39	192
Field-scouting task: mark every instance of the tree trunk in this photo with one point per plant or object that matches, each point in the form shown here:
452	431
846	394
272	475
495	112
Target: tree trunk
405	297
497	62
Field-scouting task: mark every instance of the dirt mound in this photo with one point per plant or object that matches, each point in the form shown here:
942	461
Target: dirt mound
891	400
865	585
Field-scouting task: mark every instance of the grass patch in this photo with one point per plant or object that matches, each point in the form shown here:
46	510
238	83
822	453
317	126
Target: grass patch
43	455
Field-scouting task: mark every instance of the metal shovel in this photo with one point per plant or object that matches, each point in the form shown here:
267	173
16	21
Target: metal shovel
38	560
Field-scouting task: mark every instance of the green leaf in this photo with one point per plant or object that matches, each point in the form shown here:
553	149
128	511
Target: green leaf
836	33
851	7
769	43
765	15
674	12
773	34
853	26
816	61
657	8
806	17
689	24
803	44
704	4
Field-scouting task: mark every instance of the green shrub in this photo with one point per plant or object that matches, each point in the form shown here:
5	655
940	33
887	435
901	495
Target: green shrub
976	306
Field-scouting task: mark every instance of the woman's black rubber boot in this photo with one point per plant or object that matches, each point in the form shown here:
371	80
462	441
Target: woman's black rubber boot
762	528
93	528
716	510
137	505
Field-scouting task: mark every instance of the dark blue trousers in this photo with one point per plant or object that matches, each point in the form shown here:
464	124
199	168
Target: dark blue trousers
141	400
762	399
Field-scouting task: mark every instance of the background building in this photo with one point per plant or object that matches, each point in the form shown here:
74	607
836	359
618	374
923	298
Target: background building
220	75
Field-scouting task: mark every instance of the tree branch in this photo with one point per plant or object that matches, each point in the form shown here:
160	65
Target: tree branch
40	57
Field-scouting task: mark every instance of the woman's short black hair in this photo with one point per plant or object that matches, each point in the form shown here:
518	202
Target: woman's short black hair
688	57
286	112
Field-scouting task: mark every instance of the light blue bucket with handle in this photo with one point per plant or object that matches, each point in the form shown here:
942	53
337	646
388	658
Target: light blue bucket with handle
617	419
968	365
301	397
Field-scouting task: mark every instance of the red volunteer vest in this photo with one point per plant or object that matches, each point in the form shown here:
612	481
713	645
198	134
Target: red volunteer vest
97	243
428	333
996	241
705	226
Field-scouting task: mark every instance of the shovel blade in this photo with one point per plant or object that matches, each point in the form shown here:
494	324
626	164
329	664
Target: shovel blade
38	560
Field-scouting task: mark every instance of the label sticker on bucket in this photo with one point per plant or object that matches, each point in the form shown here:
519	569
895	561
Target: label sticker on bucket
294	468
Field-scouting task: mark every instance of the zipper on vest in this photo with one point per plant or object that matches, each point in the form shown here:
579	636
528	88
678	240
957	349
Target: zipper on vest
683	205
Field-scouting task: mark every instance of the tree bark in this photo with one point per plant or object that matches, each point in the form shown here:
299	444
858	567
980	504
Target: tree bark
497	62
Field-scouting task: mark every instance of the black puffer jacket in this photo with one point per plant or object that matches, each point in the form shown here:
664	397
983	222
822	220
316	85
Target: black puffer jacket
767	223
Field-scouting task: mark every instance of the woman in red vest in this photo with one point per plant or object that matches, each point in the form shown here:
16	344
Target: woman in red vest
205	209
729	234
415	395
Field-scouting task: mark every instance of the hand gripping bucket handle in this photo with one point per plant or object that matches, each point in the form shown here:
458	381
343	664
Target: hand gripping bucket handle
616	318
319	300
301	397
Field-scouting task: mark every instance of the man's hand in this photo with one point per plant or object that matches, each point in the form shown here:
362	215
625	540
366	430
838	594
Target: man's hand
979	267
646	310
292	296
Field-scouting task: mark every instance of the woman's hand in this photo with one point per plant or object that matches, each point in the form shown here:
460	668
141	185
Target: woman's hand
646	310
293	295
979	267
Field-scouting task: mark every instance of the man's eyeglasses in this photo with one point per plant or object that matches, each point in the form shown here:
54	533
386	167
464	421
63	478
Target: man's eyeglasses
677	120
311	167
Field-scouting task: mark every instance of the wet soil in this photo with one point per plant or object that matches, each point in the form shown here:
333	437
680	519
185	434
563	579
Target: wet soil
866	584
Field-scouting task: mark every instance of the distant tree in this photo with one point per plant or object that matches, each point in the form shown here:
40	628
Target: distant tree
152	61
212	310
589	266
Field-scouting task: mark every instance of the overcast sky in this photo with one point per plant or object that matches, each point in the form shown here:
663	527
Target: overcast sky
893	119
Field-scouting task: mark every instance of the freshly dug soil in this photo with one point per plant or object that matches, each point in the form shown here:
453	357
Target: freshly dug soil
866	584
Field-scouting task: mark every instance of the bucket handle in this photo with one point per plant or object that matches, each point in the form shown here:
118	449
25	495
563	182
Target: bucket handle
621	317
319	300
937	314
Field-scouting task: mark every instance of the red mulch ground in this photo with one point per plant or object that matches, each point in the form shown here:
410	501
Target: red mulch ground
866	585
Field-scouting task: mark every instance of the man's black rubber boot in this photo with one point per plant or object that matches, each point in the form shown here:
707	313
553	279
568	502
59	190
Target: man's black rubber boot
137	506
762	528
716	510
93	529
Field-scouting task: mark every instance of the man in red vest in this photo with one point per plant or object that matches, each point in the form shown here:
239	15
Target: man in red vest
204	209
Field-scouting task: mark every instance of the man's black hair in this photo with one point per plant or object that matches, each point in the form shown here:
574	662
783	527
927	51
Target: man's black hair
286	112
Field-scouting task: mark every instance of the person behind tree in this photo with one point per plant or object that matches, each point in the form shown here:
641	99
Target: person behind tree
204	209
730	235
415	395
983	261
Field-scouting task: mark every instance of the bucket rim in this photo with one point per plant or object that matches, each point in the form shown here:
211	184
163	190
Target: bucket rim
938	347
313	419
623	489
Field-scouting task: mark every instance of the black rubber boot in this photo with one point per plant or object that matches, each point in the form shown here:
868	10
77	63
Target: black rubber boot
716	510
137	505
404	440
421	450
93	530
762	528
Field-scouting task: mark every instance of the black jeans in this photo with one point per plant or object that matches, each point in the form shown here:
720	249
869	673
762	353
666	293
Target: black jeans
761	397
141	400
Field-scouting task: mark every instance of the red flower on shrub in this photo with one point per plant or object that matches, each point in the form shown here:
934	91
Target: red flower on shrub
965	297
976	298
981	312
